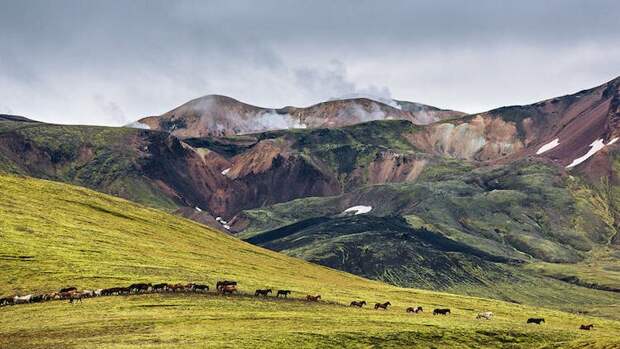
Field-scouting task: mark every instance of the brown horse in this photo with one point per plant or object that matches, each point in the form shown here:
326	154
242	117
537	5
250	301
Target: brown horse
284	293
313	298
262	292
415	310
586	327
358	304
383	306
75	297
228	289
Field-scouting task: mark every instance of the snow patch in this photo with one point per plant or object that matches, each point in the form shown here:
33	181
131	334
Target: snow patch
225	171
554	143
198	209
358	209
226	226
594	147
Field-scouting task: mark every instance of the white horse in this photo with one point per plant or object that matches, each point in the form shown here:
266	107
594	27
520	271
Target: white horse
486	315
22	299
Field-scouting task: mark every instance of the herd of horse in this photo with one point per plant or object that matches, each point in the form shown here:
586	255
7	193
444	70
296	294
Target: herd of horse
222	287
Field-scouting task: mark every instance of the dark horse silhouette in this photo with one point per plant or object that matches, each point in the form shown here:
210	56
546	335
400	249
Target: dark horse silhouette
445	311
358	304
383	306
586	327
284	293
262	292
415	310
534	320
313	298
68	289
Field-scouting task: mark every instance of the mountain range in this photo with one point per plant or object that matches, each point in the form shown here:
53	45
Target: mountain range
512	203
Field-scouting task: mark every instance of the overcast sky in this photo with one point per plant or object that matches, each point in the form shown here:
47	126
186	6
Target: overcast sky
111	62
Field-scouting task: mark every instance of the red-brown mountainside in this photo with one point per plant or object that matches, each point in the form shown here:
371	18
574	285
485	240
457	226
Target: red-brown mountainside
215	115
225	175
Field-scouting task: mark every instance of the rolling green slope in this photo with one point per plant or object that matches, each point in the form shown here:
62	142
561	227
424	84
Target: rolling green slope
53	235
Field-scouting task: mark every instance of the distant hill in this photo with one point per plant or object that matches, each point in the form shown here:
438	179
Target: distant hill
215	115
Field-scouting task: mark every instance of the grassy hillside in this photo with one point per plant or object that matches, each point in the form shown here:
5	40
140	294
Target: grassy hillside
54	235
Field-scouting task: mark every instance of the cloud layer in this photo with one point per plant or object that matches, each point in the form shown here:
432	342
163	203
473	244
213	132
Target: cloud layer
115	61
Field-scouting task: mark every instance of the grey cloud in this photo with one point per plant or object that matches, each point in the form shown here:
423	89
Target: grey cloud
150	56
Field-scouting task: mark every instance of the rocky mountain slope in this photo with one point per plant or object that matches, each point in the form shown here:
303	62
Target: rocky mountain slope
215	115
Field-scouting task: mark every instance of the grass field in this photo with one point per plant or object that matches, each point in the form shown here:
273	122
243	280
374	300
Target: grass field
54	235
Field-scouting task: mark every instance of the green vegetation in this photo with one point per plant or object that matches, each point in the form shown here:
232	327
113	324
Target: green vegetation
102	158
68	235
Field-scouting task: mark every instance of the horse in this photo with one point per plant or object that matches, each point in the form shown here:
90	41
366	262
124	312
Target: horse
160	287
535	320
98	292
313	298
445	311
22	299
76	297
486	315
228	289
68	289
201	288
7	300
38	298
415	310
383	306
221	284
140	287
586	327
284	293
358	304
262	292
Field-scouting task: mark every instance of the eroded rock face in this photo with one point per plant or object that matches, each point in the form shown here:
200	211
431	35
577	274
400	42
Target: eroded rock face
478	138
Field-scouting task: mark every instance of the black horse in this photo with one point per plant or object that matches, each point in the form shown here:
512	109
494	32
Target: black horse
358	304
284	293
444	311
262	292
535	320
383	306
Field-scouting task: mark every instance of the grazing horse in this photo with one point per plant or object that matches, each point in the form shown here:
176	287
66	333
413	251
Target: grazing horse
22	299
68	289
358	304
415	310
313	298
586	327
535	320
284	293
444	311
383	306
487	315
262	292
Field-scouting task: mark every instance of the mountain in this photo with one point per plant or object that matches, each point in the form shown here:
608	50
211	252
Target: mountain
215	115
475	204
55	235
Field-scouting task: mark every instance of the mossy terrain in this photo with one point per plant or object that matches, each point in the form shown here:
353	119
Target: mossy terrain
74	236
517	212
102	158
